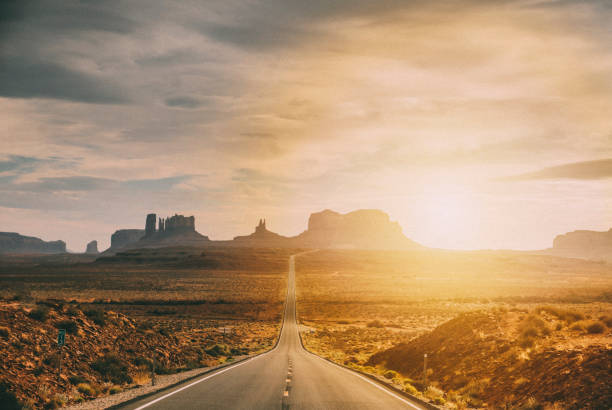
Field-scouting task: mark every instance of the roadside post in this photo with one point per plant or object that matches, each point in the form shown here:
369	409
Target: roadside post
61	341
425	370
153	371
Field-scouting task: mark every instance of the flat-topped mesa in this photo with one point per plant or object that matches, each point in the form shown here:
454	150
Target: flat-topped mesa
170	225
364	228
596	245
124	237
179	223
12	242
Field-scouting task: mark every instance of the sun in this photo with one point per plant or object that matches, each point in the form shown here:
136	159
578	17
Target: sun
450	216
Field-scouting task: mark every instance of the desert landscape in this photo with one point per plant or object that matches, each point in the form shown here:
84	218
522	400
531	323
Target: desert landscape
122	313
306	204
501	330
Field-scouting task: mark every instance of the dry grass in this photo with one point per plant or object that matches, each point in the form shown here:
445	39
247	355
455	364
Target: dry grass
180	307
357	303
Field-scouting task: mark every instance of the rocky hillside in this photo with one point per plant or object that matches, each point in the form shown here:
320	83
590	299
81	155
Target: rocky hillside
513	358
11	242
362	229
584	244
105	352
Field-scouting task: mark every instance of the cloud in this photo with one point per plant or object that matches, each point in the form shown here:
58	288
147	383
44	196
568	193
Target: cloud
183	101
18	163
598	169
89	183
67	16
23	78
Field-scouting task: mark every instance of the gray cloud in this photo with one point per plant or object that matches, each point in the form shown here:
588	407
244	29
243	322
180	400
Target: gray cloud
183	101
598	169
22	78
65	16
18	163
89	183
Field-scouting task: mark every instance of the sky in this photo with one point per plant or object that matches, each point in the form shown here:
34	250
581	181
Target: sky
476	124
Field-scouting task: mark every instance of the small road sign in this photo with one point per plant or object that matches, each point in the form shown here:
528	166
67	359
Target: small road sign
61	337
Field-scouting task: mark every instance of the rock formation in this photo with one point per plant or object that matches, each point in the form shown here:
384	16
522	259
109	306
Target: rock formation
263	234
584	244
150	224
179	223
92	248
124	237
362	229
11	242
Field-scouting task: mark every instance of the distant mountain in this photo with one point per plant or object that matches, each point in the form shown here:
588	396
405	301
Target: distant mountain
11	242
583	244
361	229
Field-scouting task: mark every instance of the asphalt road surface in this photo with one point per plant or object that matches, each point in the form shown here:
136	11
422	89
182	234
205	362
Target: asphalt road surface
287	377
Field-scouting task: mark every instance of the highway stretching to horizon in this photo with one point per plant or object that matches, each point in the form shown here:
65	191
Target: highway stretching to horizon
286	377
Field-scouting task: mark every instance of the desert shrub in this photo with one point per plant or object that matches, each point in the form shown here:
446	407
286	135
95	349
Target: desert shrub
4	332
238	351
76	380
73	310
459	381
607	320
141	377
142	362
70	326
51	360
561	314
86	389
8	400
161	368
526	341
579	326
434	394
530	329
375	323
53	403
40	313
217	350
115	390
96	315
439	401
410	389
595	328
390	374
112	368
164	331
144	326
531	404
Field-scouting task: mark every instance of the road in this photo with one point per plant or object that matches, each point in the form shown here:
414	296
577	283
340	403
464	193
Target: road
287	377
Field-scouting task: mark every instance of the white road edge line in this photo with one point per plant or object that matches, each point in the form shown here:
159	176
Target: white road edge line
165	396
378	386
